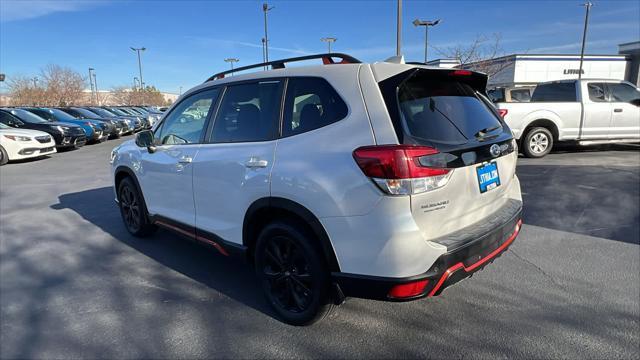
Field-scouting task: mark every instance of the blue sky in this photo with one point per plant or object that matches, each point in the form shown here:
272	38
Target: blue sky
188	40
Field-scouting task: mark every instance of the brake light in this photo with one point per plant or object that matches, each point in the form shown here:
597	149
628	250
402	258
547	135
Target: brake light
408	290
503	112
399	169
460	73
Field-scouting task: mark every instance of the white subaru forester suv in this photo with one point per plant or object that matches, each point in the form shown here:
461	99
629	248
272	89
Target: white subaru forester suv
386	181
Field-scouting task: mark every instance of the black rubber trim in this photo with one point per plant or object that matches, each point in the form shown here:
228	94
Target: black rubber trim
377	288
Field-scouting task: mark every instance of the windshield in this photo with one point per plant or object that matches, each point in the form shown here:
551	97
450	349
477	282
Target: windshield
103	112
118	112
444	110
27	116
85	112
61	115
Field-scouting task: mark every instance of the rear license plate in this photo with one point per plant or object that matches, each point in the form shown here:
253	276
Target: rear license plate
488	177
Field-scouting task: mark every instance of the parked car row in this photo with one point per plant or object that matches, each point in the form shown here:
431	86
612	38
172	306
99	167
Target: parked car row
27	132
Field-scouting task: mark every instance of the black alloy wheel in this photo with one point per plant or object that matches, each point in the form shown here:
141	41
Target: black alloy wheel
293	275
133	210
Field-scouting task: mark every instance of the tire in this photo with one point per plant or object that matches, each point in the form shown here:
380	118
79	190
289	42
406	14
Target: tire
133	209
293	273
537	143
4	158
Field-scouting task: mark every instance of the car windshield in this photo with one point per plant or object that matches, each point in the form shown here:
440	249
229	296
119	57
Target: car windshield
85	112
103	112
61	115
141	110
118	112
27	116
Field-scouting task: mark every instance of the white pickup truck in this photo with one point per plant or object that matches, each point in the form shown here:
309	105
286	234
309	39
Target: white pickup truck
589	111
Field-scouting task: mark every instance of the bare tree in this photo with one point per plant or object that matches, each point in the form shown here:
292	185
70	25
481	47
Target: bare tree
24	91
62	86
478	55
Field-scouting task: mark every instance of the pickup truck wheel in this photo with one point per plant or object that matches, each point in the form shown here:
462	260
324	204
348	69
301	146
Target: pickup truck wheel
133	210
537	143
293	275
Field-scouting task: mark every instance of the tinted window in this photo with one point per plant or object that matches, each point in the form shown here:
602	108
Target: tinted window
623	92
522	95
248	112
596	92
555	92
82	113
185	124
311	103
443	110
27	116
43	114
102	112
496	95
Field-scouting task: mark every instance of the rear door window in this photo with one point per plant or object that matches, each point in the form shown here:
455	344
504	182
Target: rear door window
555	92
249	112
444	110
597	92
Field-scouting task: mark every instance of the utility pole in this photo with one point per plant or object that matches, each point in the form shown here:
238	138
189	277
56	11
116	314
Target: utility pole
138	50
91	84
264	59
588	6
231	61
399	28
265	9
329	40
426	24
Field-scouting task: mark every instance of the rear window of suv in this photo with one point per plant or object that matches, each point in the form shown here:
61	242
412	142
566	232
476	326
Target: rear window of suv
443	109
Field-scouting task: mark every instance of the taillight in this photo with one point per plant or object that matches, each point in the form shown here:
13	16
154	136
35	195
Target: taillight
503	112
401	169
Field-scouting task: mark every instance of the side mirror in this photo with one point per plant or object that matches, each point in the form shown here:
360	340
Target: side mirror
145	139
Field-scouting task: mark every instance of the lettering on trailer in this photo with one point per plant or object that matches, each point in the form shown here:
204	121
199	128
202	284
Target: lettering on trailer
573	71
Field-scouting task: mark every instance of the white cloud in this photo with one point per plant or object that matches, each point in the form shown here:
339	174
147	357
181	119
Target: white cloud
13	10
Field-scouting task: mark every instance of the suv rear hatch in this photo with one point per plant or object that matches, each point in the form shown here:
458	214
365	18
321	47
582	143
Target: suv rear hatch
463	140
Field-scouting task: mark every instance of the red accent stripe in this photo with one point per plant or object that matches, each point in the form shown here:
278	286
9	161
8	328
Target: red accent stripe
473	266
194	236
213	243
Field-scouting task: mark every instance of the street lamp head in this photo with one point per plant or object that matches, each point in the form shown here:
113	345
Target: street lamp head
436	22
328	39
143	48
132	48
266	7
231	60
417	22
91	69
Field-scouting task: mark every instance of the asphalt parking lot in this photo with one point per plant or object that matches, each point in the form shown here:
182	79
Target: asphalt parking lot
75	284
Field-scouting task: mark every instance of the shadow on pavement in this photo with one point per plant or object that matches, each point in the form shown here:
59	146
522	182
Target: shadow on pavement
199	262
600	201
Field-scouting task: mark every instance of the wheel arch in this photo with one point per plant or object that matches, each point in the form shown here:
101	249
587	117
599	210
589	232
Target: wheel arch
545	123
265	210
123	172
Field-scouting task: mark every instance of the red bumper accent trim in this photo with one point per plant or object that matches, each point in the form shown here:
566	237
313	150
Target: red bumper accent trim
475	265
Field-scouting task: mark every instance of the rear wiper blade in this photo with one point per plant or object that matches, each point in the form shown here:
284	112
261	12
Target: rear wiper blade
484	132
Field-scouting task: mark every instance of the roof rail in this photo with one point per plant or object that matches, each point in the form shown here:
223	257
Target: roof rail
279	64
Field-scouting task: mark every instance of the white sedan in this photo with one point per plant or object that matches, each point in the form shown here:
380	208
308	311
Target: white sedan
17	144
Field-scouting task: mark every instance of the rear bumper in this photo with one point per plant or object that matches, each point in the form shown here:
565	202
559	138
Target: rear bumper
448	269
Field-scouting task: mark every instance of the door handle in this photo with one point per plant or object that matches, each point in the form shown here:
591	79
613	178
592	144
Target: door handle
617	110
185	159
256	162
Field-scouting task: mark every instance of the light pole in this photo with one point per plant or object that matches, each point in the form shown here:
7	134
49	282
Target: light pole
426	24
35	82
265	9
91	83
35	89
138	50
399	28
180	93
588	6
95	83
231	61
329	40
135	83
264	59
